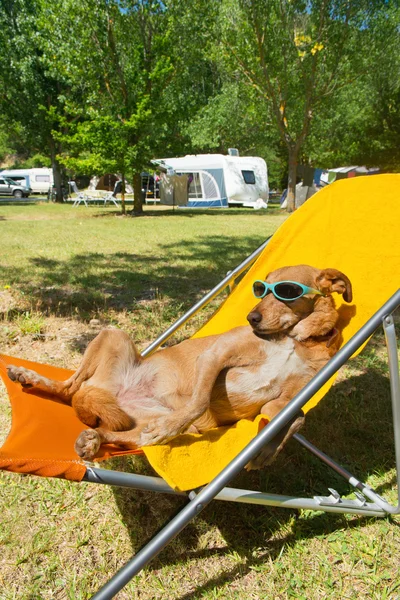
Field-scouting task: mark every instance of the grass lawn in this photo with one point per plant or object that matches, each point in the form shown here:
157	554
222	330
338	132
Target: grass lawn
65	273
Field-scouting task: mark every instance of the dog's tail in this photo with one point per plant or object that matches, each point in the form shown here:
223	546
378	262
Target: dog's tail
97	407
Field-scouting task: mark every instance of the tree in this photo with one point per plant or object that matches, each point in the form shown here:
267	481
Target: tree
129	74
6	146
114	88
296	55
32	95
364	127
231	119
380	142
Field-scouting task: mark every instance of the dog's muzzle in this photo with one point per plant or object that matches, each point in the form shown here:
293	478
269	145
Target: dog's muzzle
254	318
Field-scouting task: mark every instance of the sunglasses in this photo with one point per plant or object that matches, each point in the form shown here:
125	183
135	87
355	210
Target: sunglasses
283	290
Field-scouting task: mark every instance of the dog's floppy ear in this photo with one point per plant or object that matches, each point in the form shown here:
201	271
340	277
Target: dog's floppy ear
332	280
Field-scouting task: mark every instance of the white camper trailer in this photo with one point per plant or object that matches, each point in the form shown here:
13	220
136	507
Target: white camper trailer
39	180
210	180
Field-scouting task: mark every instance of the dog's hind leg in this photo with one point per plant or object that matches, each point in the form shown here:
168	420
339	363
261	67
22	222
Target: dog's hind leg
97	407
109	353
30	379
89	441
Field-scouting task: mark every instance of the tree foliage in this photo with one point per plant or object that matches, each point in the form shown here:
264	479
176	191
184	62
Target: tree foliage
131	69
361	125
297	55
33	93
108	85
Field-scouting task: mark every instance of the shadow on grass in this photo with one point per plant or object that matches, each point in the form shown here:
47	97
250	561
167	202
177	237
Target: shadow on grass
191	213
87	283
28	202
348	424
221	212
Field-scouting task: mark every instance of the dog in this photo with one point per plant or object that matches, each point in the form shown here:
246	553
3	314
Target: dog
206	382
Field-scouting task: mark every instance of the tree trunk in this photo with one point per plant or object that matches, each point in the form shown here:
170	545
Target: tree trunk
137	194
291	192
57	174
123	208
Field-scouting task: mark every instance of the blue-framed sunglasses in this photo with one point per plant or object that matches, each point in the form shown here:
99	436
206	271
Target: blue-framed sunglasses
283	290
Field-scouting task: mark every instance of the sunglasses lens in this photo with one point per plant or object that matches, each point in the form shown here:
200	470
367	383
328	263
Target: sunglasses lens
258	289
288	291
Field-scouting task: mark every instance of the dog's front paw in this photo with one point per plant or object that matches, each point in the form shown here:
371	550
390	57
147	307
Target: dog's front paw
25	377
300	332
88	443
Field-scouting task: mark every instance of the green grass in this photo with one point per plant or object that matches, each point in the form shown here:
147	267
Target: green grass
85	263
61	268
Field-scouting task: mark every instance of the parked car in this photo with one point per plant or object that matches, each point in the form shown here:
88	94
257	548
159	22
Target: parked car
39	180
8	187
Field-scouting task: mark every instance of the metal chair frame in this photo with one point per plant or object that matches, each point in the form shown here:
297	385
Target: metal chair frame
109	197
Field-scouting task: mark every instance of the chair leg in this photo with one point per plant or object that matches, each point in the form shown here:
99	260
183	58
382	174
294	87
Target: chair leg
393	361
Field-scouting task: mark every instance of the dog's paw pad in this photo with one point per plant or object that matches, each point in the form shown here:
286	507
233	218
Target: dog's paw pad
88	443
265	458
12	373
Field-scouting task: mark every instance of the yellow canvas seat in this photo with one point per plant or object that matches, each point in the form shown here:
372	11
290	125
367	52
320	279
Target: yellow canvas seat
351	225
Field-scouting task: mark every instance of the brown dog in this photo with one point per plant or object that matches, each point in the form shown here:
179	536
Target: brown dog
205	382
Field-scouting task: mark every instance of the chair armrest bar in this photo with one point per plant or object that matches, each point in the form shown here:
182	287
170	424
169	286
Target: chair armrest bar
129	480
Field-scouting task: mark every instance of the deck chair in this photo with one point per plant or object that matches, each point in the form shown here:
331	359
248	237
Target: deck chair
109	197
351	225
82	197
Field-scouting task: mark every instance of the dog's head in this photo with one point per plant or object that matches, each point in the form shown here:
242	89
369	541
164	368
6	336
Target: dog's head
272	315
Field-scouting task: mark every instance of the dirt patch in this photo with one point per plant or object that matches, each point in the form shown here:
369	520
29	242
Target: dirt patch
62	342
7	301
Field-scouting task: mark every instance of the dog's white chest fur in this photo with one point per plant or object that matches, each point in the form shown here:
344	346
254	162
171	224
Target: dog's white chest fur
266	380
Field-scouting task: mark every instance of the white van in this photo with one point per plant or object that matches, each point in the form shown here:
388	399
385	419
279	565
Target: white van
38	180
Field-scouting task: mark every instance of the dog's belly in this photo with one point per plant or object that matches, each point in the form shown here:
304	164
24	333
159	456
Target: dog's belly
241	392
137	393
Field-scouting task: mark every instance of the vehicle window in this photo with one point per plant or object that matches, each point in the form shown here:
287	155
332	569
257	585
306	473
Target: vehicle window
10	181
42	178
2	182
249	176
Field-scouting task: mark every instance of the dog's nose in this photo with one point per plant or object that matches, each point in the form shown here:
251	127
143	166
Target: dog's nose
254	317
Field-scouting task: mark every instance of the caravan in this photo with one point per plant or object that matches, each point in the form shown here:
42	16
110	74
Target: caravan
213	180
39	180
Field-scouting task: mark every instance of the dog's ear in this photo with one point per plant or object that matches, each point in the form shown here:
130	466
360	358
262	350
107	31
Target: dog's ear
331	280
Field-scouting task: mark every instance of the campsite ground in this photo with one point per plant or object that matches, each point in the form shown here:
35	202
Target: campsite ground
65	273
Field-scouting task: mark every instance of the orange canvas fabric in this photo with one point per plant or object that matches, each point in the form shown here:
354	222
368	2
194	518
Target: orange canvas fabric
43	431
351	225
